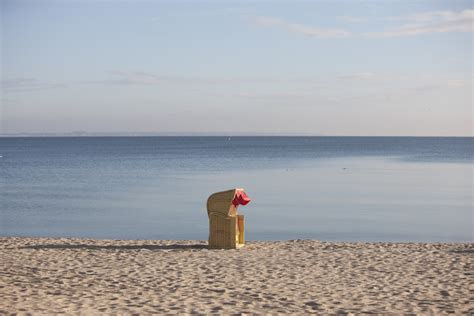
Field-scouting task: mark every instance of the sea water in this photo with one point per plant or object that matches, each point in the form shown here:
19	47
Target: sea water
327	188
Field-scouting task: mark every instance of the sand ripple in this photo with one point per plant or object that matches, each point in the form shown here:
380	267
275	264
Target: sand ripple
124	276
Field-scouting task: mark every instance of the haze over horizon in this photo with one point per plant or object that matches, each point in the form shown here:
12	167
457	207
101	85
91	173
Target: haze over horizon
350	68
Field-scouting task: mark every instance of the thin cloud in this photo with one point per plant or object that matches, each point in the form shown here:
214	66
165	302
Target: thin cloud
430	16
204	13
272	95
122	77
429	22
133	78
458	83
358	76
353	19
310	31
27	84
411	25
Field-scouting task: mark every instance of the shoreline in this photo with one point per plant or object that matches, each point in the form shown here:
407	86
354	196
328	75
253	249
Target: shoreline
74	275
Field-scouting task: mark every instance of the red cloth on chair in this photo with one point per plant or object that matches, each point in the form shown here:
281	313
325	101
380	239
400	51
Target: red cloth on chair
240	198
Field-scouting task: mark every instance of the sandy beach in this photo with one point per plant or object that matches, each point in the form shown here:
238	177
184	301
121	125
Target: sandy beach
42	275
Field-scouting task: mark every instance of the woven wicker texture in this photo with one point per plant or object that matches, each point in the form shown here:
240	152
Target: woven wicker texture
226	227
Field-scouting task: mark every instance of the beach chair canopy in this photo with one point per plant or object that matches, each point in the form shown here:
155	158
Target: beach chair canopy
226	202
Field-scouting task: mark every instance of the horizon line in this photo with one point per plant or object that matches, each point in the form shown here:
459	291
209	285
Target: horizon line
199	134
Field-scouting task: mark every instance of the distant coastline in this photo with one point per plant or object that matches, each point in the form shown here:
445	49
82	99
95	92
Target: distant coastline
163	134
206	134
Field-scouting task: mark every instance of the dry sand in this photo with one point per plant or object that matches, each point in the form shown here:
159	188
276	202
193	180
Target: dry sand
86	276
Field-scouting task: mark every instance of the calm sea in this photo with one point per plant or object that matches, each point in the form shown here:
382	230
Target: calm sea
327	188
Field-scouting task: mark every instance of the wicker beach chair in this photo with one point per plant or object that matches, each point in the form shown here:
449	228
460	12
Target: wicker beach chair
226	227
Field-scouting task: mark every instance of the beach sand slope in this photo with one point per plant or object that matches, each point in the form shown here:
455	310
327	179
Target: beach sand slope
87	276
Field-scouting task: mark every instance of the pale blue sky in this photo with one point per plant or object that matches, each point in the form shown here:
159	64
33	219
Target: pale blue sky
281	67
